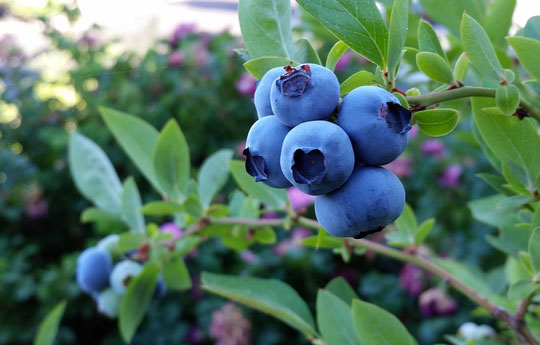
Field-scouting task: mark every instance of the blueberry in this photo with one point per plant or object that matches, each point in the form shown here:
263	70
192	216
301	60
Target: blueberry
263	147
262	93
122	273
376	123
371	199
306	93
93	268
317	157
108	303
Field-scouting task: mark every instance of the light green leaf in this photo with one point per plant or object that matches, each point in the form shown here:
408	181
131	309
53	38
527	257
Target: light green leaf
461	67
161	208
428	40
176	275
137	138
171	161
532	28
259	66
266	27
136	301
507	99
129	241
265	235
528	53
485	211
437	122
498	20
49	326
356	80
376	326
479	49
521	290
131	205
213	175
358	23
276	198
406	225
266	295
193	206
423	230
449	13
335	320
435	67
323	242
335	54
94	174
93	214
534	249
306	53
339	287
514	201
397	31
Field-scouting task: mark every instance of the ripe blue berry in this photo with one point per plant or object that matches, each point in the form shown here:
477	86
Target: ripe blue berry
306	93
122	274
262	92
93	268
376	123
317	157
371	199
263	147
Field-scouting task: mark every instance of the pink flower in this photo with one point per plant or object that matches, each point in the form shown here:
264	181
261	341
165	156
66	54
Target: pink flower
450	176
37	209
229	326
181	31
401	167
344	61
411	280
246	85
435	302
299	199
413	132
248	256
294	242
172	229
201	55
176	59
433	147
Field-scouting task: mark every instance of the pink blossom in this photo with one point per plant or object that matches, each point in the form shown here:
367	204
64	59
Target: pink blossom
401	167
435	302
246	85
37	209
172	229
344	61
411	280
450	176
201	55
413	132
295	241
181	31
299	199
229	326
433	147
176	59
248	256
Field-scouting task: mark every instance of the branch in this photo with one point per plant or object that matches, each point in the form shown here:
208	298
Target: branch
467	91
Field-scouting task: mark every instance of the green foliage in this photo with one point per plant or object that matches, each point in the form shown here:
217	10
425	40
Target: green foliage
335	54
49	326
437	122
435	67
428	40
397	30
527	51
259	66
213	175
507	99
334	320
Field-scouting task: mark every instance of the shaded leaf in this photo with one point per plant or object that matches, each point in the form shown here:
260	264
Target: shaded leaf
356	80
259	66
213	175
176	275
521	290
334	320
339	287
397	31
335	54
532	28
131	205
49	326
534	249
306	53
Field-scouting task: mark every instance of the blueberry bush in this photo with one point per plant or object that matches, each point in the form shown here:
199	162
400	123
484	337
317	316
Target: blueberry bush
340	139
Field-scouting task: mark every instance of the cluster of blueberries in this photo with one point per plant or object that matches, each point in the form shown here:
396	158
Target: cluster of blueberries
294	143
107	282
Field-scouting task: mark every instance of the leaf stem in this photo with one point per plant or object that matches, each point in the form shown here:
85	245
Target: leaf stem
467	91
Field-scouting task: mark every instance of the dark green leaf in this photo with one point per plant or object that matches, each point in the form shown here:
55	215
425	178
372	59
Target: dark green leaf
259	66
428	40
335	54
161	208
435	67
176	275
495	181
136	301
339	287
528	53
397	30
306	53
171	161
94	174
49	326
479	49
534	249
461	67
137	138
437	122
267	295
213	175
131	205
532	28
507	99
358	23
499	20
335	320
376	326
356	80
521	290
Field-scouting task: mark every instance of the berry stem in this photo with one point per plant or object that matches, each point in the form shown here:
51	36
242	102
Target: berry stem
467	91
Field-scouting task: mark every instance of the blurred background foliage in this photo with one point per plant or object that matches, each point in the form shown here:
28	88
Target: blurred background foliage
197	78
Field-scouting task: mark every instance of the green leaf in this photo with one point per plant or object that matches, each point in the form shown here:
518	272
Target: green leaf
136	301
161	208
376	326
423	230
306	53
129	241
406	227
193	206
449	13
94	174
428	40
485	211
358	23
461	67
507	99
339	287
437	122
513	141
265	235
435	67
534	249
495	181
356	80
499	20
479	49
266	27
171	161
323	242
397	31
276	198
176	275
521	290
137	138
49	326
528	53
335	320
335	54
131	205
532	28
266	295
93	214
259	66
213	175
514	201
